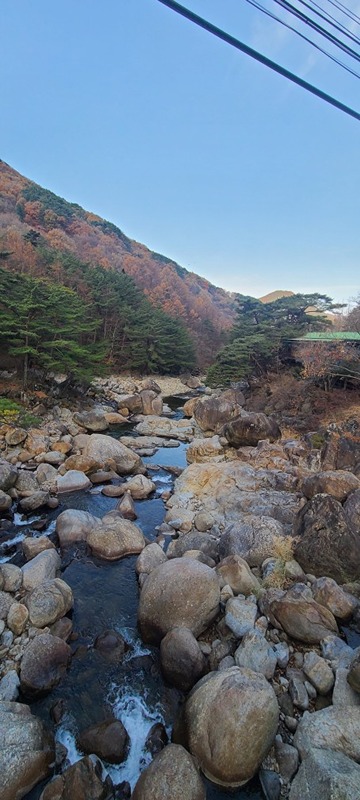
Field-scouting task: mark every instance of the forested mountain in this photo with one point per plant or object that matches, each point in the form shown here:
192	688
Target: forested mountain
47	237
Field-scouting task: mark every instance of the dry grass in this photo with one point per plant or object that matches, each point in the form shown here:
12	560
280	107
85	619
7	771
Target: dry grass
282	551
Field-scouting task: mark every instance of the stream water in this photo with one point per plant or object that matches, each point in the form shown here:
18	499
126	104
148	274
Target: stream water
106	597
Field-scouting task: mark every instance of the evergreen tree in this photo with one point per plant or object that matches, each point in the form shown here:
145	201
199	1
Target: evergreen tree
262	333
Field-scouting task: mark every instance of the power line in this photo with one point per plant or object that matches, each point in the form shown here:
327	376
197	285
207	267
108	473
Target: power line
302	35
345	10
318	28
331	21
233	42
334	19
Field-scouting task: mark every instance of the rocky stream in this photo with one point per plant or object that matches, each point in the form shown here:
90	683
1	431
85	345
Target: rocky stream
180	598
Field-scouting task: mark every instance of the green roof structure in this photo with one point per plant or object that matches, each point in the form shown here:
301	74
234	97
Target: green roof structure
330	336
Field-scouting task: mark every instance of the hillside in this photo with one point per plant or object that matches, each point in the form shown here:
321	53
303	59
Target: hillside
31	216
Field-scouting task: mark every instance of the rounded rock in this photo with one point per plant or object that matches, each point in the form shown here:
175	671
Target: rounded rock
179	593
231	720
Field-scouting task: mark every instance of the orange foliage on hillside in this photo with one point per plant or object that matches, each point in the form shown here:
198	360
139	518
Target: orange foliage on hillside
207	310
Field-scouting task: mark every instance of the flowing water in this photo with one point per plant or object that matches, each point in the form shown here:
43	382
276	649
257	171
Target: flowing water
96	686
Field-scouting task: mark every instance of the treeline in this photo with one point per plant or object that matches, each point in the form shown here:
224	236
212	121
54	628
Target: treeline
261	339
106	324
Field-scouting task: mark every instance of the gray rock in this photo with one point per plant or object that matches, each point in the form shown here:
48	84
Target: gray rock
298	694
354	672
182	661
181	592
343	694
326	775
318	672
337	652
287	758
327	545
327	592
240	615
255	653
149	558
9	686
6	600
332	729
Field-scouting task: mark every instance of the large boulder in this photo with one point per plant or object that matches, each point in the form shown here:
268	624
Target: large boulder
337	483
326	775
252	538
342	447
250	428
211	413
115	538
74	526
41	568
91	420
182	660
304	620
104	448
231	719
49	602
229	490
139	487
151	403
108	740
26	751
327	546
73	481
332	728
202	450
173	774
82	781
43	664
179	593
180	429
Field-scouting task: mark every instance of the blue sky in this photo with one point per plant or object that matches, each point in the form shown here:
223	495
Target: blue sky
186	144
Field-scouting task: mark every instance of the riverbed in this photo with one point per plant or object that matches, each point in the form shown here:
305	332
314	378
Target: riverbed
106	597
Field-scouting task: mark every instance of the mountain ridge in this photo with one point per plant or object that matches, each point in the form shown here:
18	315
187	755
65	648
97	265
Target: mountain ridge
207	310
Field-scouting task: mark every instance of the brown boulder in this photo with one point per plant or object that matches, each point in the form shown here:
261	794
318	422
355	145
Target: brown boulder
26	751
173	775
231	719
115	538
182	661
81	781
211	413
104	448
43	664
108	740
250	428
179	593
337	483
302	619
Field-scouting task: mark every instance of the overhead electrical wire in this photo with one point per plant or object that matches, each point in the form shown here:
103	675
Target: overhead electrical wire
233	42
334	19
302	35
318	28
345	10
329	19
